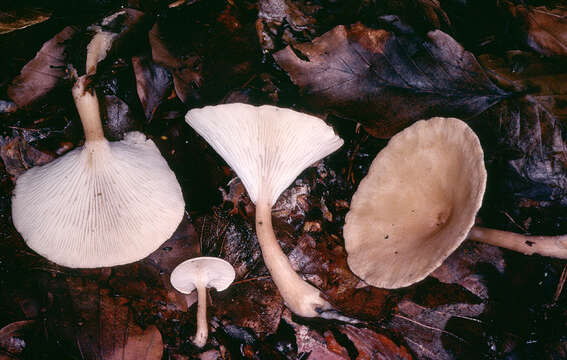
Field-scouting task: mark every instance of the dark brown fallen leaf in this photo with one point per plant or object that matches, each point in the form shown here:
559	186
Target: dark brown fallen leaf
153	84
18	155
104	327
44	72
462	267
20	18
529	129
12	342
543	29
217	56
117	117
387	81
424	331
252	303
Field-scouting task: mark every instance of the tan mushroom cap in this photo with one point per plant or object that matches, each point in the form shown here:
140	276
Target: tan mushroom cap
207	271
417	203
104	204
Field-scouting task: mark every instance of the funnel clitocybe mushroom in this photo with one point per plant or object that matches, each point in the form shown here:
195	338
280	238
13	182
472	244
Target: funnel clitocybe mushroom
202	273
103	204
418	204
268	147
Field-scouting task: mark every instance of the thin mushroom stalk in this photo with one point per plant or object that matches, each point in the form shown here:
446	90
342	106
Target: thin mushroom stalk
202	328
268	147
554	246
301	297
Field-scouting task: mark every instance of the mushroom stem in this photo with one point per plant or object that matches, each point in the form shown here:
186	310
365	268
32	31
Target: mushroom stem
87	106
202	327
299	296
554	246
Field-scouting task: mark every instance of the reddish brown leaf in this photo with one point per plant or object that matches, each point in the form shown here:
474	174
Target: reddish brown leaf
371	345
44	72
544	29
105	325
387	81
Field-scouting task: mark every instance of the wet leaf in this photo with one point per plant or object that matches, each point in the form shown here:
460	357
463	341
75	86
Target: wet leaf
104	325
543	29
371	345
44	72
387	81
217	56
153	84
12	339
20	18
18	155
529	129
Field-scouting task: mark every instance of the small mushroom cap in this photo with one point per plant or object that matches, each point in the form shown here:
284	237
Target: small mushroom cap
104	204
208	271
267	146
417	203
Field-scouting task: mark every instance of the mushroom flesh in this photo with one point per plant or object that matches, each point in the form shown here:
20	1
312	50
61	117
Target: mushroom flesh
202	273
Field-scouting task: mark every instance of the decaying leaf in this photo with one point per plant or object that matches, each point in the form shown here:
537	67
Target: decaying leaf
530	129
543	29
18	155
217	56
387	81
153	84
44	72
104	325
371	345
20	18
11	338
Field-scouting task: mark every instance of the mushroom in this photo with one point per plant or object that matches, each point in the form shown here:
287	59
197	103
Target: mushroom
202	273
268	147
418	203
103	204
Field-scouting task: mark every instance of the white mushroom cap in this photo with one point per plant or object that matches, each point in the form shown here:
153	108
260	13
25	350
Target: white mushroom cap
103	204
207	271
266	146
417	203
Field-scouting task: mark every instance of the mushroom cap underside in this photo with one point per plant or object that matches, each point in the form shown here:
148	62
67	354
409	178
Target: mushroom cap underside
104	204
417	203
208	271
267	146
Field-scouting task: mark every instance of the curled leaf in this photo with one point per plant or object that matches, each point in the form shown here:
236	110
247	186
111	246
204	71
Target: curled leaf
387	81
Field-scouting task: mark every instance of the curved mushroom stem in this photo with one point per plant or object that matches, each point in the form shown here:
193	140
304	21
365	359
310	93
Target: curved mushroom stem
87	106
554	246
299	296
202	327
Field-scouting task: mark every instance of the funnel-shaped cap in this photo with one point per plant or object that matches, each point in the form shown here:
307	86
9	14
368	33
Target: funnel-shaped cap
267	146
417	203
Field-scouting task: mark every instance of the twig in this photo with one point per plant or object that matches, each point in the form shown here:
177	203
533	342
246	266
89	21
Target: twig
560	285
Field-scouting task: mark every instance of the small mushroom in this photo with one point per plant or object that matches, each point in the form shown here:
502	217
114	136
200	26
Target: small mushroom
418	203
103	204
202	273
268	147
